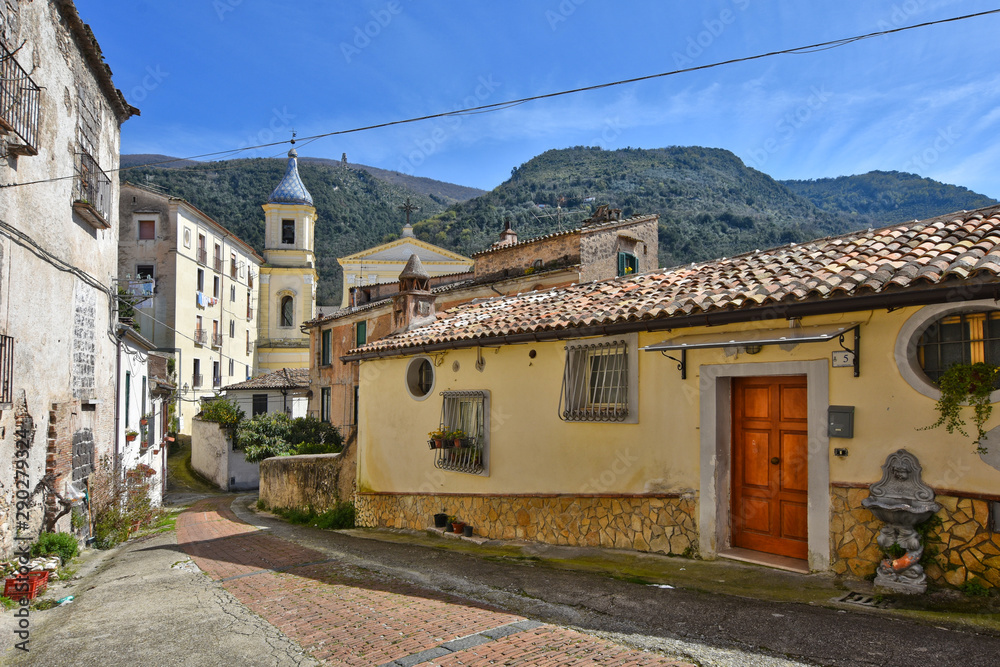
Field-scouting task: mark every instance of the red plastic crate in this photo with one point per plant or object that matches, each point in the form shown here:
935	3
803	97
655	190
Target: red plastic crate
37	582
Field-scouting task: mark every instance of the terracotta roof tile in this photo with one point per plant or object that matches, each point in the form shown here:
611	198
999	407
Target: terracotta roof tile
285	378
953	247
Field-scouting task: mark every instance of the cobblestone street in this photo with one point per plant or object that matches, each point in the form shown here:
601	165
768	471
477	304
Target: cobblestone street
344	615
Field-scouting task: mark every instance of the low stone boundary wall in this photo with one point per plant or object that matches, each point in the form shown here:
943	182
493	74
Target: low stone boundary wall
964	547
657	523
300	482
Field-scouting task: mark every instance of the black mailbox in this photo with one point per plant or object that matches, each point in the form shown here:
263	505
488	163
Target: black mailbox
841	421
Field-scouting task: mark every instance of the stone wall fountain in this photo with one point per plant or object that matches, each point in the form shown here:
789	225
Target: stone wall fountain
902	501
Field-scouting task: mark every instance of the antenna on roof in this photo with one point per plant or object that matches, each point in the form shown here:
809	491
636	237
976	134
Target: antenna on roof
293	137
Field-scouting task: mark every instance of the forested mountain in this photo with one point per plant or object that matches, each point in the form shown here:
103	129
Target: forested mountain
710	204
884	197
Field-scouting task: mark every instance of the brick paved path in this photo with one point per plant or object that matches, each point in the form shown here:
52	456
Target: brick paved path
345	615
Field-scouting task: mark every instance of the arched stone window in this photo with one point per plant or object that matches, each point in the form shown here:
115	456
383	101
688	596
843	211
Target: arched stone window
287	311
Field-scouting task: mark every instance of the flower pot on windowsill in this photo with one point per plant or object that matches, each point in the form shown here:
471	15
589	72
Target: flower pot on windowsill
143	422
129	437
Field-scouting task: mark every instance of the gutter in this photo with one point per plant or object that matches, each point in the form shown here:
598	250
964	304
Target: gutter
892	301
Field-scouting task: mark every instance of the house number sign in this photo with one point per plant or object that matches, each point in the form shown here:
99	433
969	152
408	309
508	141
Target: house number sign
843	359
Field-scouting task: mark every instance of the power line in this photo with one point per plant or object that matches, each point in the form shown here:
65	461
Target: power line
499	106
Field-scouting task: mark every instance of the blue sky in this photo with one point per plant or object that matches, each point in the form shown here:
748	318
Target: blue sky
212	75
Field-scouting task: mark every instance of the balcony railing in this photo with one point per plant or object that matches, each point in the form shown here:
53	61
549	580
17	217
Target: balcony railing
202	256
92	192
232	268
200	336
217	381
196	380
249	312
217	340
249	348
468	458
19	103
217	264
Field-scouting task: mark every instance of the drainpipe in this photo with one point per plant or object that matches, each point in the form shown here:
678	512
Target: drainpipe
116	459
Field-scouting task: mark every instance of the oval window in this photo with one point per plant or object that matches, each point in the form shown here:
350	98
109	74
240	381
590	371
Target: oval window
420	377
963	338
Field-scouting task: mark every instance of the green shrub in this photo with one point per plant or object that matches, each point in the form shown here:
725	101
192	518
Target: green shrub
975	588
223	411
63	544
315	448
119	506
315	433
340	516
264	436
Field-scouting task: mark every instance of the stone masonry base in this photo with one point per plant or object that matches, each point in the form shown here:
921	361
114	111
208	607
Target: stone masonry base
960	549
660	524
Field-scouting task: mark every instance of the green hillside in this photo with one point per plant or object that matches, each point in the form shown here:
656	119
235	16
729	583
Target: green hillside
355	209
884	197
710	204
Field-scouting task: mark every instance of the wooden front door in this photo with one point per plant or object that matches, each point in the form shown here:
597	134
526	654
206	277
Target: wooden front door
770	472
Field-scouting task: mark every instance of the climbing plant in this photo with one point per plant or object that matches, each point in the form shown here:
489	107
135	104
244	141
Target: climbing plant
966	384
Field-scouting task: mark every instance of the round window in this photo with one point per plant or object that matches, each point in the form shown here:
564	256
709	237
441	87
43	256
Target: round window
420	378
939	336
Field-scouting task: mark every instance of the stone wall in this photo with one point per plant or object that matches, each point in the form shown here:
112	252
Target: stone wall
963	546
301	482
559	248
600	245
661	524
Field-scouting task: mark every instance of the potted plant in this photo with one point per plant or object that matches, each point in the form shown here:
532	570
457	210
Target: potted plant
457	436
441	519
144	419
468	530
457	526
966	384
131	435
437	438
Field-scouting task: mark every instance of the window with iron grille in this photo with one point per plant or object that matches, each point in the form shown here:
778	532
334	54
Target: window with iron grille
966	338
468	412
599	381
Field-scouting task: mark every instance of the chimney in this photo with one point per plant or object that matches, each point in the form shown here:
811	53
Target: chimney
508	236
413	306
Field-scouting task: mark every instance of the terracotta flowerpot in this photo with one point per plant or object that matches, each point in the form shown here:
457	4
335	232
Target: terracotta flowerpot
130	438
458	527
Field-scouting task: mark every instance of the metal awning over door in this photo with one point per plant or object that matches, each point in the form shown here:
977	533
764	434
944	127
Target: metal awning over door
753	337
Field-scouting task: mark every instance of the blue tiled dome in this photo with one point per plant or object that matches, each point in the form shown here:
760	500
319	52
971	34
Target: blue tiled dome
291	190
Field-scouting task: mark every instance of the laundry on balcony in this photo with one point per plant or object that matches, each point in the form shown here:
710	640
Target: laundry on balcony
200	298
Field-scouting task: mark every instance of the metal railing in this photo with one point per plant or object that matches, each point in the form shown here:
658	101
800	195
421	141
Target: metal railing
217	340
202	256
595	382
467	458
249	348
92	187
217	264
217	381
232	268
249	312
19	103
196	380
200	336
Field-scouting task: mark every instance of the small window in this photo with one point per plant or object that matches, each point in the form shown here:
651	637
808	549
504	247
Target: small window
259	405
128	398
324	404
287	311
360	333
201	281
216	374
145	272
232	333
187	237
288	232
215	286
966	338
420	378
232	367
326	345
232	293
232	265
597	382
468	412
196	377
147	230
627	264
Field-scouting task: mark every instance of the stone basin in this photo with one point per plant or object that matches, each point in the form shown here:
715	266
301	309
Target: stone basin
899	512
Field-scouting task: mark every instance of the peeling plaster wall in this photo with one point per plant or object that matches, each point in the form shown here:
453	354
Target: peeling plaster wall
63	354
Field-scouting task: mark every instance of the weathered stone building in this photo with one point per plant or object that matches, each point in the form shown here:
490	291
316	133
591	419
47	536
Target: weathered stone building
60	116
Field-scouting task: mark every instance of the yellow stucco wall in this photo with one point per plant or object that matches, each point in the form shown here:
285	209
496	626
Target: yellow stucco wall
532	451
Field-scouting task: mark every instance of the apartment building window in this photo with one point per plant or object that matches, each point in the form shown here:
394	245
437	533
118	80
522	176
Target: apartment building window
19	103
288	232
232	330
218	258
199	331
249	280
215	286
216	374
201	280
232	367
232	265
202	250
232	293
128	397
147	230
249	307
196	373
326	347
324	404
